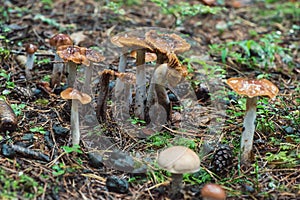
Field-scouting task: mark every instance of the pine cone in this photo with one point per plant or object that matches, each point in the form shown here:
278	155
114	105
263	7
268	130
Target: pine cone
222	160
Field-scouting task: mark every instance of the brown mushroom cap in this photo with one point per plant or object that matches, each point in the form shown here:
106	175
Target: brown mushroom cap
71	93
60	40
133	42
30	48
213	192
252	88
72	53
92	55
179	160
166	43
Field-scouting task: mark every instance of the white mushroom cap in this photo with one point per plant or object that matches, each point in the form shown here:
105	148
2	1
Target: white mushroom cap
179	160
212	191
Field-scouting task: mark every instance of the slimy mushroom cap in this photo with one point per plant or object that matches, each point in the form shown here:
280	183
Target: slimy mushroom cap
60	39
73	53
166	43
253	88
213	191
133	42
30	48
73	94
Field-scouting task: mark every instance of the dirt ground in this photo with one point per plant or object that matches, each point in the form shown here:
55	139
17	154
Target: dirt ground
117	159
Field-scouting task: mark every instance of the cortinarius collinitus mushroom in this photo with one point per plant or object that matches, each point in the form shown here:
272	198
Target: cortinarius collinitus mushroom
76	97
252	89
30	51
58	68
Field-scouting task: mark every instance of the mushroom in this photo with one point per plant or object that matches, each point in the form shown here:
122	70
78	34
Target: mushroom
163	75
164	44
105	75
93	57
73	55
138	44
252	89
76	97
58	68
178	160
213	191
30	51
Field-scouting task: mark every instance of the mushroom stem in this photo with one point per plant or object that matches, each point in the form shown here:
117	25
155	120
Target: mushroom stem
161	58
57	71
75	123
249	128
29	65
157	89
176	184
72	70
140	96
30	61
102	97
121	87
88	78
123	93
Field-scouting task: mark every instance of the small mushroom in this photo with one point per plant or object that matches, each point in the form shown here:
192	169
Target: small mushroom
252	89
128	78
178	160
212	191
76	97
73	55
58	68
171	74
30	51
93	57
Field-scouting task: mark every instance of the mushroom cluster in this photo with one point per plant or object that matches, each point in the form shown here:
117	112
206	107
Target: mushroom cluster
165	46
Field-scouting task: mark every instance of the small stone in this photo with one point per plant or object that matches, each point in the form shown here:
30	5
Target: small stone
121	161
95	160
36	91
59	130
116	184
248	188
172	97
288	129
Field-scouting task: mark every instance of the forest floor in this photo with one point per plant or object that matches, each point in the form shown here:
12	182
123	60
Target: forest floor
117	159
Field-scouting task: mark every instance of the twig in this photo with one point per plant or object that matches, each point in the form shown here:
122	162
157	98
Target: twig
186	133
38	53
